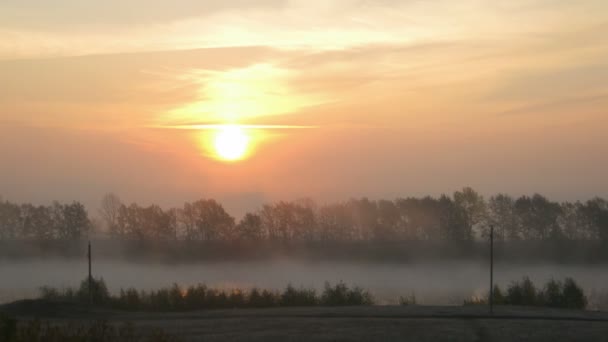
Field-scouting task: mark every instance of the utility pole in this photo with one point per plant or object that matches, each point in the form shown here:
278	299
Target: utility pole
90	277
491	269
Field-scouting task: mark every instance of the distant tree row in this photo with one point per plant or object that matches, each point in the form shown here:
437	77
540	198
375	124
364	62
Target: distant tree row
55	222
464	216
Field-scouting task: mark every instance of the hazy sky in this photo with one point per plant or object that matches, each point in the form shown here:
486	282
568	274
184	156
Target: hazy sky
379	98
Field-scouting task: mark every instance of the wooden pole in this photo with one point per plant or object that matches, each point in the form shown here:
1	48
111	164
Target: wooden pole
90	277
491	269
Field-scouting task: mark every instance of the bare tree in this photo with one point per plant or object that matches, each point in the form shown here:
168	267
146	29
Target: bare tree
109	210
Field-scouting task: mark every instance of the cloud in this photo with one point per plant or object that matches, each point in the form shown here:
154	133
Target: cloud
553	84
110	90
70	15
575	105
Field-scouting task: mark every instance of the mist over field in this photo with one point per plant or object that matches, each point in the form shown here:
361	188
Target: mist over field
436	249
435	282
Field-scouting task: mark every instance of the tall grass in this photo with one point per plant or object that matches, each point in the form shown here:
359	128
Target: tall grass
12	330
567	294
99	293
199	297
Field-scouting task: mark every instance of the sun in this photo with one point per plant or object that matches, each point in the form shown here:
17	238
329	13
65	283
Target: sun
231	143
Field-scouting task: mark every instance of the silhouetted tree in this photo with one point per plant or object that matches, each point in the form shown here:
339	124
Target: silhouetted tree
389	225
75	222
423	217
109	211
501	214
207	220
538	217
573	222
470	211
335	223
457	218
37	222
250	227
596	212
10	220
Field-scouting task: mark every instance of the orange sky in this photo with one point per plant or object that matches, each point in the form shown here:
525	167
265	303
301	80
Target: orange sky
342	98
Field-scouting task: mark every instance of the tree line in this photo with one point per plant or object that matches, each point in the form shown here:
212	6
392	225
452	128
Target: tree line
53	222
464	216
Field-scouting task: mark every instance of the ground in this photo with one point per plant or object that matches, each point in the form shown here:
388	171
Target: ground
377	323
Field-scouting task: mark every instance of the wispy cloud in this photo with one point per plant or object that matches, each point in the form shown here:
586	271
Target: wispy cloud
199	127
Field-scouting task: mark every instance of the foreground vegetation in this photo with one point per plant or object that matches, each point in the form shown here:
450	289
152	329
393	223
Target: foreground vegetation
201	297
556	294
11	330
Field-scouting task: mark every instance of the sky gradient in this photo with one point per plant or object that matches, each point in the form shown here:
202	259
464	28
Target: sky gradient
343	98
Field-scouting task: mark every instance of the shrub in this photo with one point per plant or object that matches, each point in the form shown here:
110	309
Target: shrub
554	294
237	299
359	296
98	293
263	299
529	293
409	300
341	295
270	297
196	296
201	297
573	296
176	297
498	297
129	299
523	293
49	293
298	297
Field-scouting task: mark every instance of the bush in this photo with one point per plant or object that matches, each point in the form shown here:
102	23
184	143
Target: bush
341	295
196	296
53	294
263	299
176	297
237	298
521	293
573	296
256	299
98	294
554	294
409	300
201	297
298	297
129	298
498	297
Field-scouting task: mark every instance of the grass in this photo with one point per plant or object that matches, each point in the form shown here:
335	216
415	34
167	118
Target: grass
11	330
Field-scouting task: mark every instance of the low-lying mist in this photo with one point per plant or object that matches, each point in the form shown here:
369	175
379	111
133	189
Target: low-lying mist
432	282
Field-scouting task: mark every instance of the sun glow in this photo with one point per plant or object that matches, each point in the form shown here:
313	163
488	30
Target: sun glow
239	95
231	143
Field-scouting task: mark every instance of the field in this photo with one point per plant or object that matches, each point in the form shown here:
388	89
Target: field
376	323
